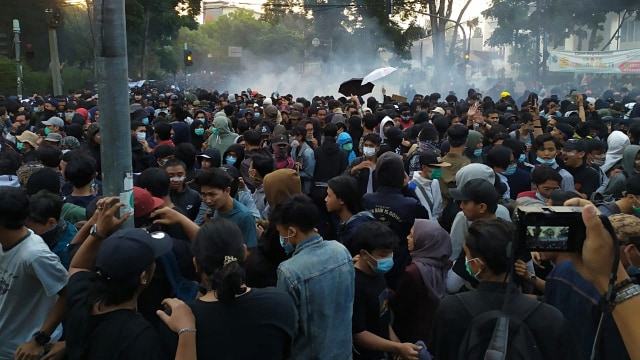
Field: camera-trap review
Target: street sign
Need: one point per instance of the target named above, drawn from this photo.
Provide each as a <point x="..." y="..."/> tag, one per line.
<point x="235" y="51"/>
<point x="630" y="67"/>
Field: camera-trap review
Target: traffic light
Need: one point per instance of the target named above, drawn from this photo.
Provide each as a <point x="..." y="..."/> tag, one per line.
<point x="188" y="58"/>
<point x="466" y="57"/>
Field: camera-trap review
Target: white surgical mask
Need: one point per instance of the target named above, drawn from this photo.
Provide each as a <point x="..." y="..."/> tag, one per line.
<point x="368" y="151"/>
<point x="141" y="135"/>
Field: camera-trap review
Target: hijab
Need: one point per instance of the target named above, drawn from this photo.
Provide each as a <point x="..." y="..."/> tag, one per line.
<point x="431" y="252"/>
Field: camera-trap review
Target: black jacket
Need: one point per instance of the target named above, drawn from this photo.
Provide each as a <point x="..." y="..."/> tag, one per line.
<point x="330" y="161"/>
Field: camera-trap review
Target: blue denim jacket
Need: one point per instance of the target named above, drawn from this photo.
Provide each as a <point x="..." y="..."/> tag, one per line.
<point x="320" y="279"/>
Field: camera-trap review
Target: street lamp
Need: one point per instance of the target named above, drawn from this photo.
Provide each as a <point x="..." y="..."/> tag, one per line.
<point x="54" y="21"/>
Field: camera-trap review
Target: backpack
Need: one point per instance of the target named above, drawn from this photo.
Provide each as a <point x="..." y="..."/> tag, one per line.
<point x="184" y="289"/>
<point x="520" y="342"/>
<point x="449" y="214"/>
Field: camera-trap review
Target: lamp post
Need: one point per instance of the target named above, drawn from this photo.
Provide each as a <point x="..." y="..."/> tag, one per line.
<point x="16" y="40"/>
<point x="53" y="20"/>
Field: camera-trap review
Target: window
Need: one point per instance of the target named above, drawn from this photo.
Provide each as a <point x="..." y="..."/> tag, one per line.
<point x="630" y="31"/>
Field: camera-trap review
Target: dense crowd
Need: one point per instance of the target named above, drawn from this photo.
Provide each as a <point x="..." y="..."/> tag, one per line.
<point x="330" y="228"/>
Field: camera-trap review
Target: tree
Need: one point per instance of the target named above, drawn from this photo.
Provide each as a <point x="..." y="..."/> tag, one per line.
<point x="154" y="23"/>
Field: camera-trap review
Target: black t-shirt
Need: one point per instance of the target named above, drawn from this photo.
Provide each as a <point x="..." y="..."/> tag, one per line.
<point x="119" y="334"/>
<point x="257" y="325"/>
<point x="370" y="311"/>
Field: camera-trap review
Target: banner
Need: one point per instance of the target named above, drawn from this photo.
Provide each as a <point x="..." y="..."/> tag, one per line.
<point x="595" y="62"/>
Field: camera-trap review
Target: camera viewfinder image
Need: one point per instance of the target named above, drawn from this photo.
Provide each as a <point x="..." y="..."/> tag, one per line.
<point x="547" y="237"/>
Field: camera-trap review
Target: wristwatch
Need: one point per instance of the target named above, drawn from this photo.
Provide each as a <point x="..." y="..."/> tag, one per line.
<point x="41" y="338"/>
<point x="94" y="232"/>
<point x="532" y="278"/>
<point x="626" y="294"/>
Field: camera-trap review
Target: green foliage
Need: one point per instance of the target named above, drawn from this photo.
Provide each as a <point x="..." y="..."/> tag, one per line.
<point x="559" y="19"/>
<point x="361" y="26"/>
<point x="73" y="77"/>
<point x="167" y="59"/>
<point x="210" y="42"/>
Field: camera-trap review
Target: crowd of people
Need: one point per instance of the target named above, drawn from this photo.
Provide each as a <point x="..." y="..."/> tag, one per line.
<point x="277" y="227"/>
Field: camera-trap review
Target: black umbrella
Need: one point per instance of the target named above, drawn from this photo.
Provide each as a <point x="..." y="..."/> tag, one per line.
<point x="355" y="87"/>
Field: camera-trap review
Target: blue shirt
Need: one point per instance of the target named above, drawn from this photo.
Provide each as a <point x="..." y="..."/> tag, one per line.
<point x="578" y="299"/>
<point x="320" y="278"/>
<point x="240" y="215"/>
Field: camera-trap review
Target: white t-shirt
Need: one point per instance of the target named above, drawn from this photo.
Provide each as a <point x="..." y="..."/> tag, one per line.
<point x="31" y="276"/>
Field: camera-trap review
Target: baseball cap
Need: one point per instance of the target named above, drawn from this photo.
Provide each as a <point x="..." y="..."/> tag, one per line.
<point x="144" y="203"/>
<point x="430" y="158"/>
<point x="504" y="94"/>
<point x="438" y="110"/>
<point x="53" y="137"/>
<point x="128" y="252"/>
<point x="476" y="190"/>
<point x="210" y="153"/>
<point x="54" y="121"/>
<point x="28" y="137"/>
<point x="576" y="144"/>
<point x="265" y="130"/>
<point x="52" y="101"/>
<point x="279" y="140"/>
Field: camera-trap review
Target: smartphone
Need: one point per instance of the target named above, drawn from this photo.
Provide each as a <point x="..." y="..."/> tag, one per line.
<point x="550" y="228"/>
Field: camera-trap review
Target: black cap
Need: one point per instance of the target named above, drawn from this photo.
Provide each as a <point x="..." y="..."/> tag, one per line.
<point x="127" y="253"/>
<point x="265" y="130"/>
<point x="430" y="158"/>
<point x="566" y="130"/>
<point x="479" y="191"/>
<point x="576" y="144"/>
<point x="279" y="140"/>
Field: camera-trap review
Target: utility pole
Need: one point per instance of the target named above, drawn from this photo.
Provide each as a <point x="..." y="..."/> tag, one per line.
<point x="53" y="20"/>
<point x="186" y="66"/>
<point x="16" y="41"/>
<point x="115" y="149"/>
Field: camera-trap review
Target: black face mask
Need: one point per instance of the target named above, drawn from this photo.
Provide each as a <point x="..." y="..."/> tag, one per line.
<point x="50" y="236"/>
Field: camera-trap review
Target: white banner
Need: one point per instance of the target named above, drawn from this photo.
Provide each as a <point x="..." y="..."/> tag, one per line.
<point x="595" y="62"/>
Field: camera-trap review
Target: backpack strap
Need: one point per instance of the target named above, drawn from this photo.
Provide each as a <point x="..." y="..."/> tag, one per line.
<point x="426" y="197"/>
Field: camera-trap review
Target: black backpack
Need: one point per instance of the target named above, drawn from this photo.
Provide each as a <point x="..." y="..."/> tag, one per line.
<point x="520" y="342"/>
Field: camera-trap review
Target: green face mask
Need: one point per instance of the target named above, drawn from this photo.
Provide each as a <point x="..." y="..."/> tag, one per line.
<point x="47" y="131"/>
<point x="436" y="174"/>
<point x="199" y="131"/>
<point x="466" y="265"/>
<point x="347" y="147"/>
<point x="636" y="211"/>
<point x="19" y="146"/>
